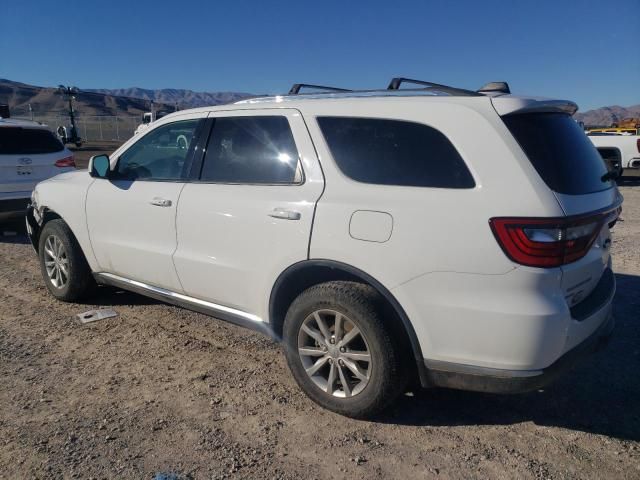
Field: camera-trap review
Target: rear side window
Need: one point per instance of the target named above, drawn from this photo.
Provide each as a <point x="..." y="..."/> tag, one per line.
<point x="393" y="152"/>
<point x="28" y="141"/>
<point x="559" y="150"/>
<point x="251" y="150"/>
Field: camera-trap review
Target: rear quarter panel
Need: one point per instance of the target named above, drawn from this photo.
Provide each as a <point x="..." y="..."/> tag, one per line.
<point x="442" y="262"/>
<point x="434" y="229"/>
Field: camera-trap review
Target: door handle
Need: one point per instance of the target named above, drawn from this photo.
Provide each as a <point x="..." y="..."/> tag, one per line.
<point x="285" y="214"/>
<point x="160" y="202"/>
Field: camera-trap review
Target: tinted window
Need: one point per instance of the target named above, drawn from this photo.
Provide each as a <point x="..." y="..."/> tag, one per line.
<point x="19" y="141"/>
<point x="392" y="152"/>
<point x="251" y="150"/>
<point x="161" y="154"/>
<point x="560" y="152"/>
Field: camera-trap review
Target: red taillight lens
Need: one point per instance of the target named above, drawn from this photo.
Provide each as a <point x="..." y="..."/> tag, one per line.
<point x="549" y="242"/>
<point x="65" y="162"/>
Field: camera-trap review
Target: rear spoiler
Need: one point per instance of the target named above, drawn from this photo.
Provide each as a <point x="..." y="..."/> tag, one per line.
<point x="509" y="105"/>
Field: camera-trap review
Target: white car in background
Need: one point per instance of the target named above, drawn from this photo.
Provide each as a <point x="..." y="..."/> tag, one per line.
<point x="29" y="153"/>
<point x="619" y="151"/>
<point x="434" y="235"/>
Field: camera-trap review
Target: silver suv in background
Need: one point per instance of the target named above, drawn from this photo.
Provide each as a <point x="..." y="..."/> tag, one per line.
<point x="29" y="153"/>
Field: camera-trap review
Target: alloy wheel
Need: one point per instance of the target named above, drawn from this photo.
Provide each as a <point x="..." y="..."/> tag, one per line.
<point x="334" y="353"/>
<point x="56" y="261"/>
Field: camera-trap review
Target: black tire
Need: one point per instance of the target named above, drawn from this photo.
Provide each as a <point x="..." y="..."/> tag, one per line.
<point x="79" y="282"/>
<point x="363" y="307"/>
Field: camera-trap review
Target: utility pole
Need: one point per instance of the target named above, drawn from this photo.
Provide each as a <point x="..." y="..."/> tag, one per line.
<point x="70" y="94"/>
<point x="31" y="112"/>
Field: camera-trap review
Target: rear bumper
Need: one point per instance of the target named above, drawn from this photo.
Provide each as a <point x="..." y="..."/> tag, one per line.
<point x="491" y="380"/>
<point x="13" y="208"/>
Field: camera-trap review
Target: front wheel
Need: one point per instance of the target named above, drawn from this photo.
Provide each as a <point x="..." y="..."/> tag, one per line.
<point x="341" y="352"/>
<point x="64" y="269"/>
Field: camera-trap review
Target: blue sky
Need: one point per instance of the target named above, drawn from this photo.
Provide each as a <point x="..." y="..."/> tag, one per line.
<point x="587" y="51"/>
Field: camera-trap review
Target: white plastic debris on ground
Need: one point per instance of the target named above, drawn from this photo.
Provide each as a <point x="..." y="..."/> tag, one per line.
<point x="95" y="315"/>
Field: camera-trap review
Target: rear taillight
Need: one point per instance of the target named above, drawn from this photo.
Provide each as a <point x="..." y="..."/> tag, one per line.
<point x="638" y="145"/>
<point x="65" y="162"/>
<point x="549" y="242"/>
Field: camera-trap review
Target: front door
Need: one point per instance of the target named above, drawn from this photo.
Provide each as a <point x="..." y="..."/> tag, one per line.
<point x="132" y="215"/>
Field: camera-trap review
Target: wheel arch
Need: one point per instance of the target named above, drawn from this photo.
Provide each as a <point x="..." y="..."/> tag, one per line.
<point x="45" y="215"/>
<point x="307" y="273"/>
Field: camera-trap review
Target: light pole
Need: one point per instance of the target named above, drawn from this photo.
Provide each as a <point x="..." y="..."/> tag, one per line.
<point x="70" y="94"/>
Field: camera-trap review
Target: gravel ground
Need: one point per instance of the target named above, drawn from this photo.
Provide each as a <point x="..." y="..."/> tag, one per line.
<point x="161" y="390"/>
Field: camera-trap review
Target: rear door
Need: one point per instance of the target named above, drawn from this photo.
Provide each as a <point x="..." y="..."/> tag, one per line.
<point x="572" y="168"/>
<point x="27" y="156"/>
<point x="249" y="213"/>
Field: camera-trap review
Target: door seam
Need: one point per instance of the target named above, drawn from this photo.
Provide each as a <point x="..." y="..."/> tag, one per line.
<point x="175" y="223"/>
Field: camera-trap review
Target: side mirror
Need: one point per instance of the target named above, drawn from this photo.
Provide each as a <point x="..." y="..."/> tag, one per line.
<point x="99" y="166"/>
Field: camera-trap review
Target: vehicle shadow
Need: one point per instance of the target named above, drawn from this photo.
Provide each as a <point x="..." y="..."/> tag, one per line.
<point x="112" y="297"/>
<point x="600" y="395"/>
<point x="628" y="181"/>
<point x="13" y="232"/>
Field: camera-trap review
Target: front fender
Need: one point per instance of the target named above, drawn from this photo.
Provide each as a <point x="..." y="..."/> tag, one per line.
<point x="63" y="196"/>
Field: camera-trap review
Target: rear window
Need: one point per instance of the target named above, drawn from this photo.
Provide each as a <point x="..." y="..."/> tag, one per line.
<point x="394" y="152"/>
<point x="559" y="150"/>
<point x="23" y="141"/>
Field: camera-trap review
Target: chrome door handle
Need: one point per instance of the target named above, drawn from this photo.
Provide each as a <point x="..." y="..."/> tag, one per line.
<point x="160" y="202"/>
<point x="285" y="214"/>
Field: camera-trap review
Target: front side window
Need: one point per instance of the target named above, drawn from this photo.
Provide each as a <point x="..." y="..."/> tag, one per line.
<point x="160" y="155"/>
<point x="394" y="152"/>
<point x="251" y="150"/>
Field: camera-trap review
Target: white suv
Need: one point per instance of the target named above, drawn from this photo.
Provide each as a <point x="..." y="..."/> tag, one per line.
<point x="29" y="153"/>
<point x="456" y="238"/>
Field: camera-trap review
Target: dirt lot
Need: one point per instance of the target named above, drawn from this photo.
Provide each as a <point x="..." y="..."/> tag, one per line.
<point x="161" y="390"/>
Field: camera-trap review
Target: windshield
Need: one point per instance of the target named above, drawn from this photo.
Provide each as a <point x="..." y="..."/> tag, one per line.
<point x="559" y="150"/>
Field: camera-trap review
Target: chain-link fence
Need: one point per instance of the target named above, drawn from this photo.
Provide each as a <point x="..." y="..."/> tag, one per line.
<point x="91" y="128"/>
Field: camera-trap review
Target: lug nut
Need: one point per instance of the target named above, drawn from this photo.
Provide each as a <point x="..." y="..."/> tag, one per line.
<point x="342" y="349"/>
<point x="341" y="363"/>
<point x="331" y="361"/>
<point x="332" y="340"/>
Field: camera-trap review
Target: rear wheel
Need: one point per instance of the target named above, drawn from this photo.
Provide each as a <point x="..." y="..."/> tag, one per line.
<point x="64" y="269"/>
<point x="340" y="351"/>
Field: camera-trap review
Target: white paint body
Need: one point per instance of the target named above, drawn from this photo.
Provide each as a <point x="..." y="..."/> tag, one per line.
<point x="627" y="145"/>
<point x="431" y="248"/>
<point x="19" y="173"/>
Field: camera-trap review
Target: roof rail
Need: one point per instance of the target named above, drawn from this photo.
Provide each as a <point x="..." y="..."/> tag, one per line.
<point x="295" y="90"/>
<point x="495" y="87"/>
<point x="397" y="81"/>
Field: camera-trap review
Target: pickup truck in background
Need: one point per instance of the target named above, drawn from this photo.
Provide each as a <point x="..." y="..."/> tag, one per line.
<point x="619" y="151"/>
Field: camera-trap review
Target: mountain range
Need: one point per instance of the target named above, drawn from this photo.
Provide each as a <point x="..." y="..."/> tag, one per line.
<point x="47" y="101"/>
<point x="605" y="116"/>
<point x="172" y="96"/>
<point x="134" y="101"/>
